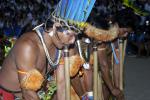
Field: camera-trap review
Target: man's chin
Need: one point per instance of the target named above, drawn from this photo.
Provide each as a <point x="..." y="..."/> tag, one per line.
<point x="59" y="46"/>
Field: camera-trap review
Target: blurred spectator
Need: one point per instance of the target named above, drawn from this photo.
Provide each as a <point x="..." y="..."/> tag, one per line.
<point x="147" y="6"/>
<point x="20" y="16"/>
<point x="16" y="14"/>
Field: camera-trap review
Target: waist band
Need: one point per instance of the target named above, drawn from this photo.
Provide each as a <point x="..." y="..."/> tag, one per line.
<point x="10" y="91"/>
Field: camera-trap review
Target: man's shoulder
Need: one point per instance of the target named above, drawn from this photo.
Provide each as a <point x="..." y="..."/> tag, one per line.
<point x="26" y="42"/>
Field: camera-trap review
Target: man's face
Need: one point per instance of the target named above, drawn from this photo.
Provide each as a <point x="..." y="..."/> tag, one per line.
<point x="65" y="37"/>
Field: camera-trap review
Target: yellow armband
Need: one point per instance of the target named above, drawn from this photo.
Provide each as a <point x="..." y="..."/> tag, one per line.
<point x="32" y="80"/>
<point x="75" y="63"/>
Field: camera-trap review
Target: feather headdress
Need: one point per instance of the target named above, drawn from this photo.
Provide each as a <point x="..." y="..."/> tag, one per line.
<point x="73" y="13"/>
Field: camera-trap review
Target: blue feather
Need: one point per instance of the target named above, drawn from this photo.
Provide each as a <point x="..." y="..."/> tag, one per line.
<point x="63" y="8"/>
<point x="69" y="7"/>
<point x="58" y="9"/>
<point x="81" y="17"/>
<point x="114" y="53"/>
<point x="79" y="11"/>
<point x="73" y="11"/>
<point x="91" y="4"/>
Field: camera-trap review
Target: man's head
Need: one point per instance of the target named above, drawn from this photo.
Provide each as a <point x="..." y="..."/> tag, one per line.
<point x="62" y="36"/>
<point x="69" y="12"/>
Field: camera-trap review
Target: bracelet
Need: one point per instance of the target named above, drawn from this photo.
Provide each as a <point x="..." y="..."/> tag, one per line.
<point x="87" y="95"/>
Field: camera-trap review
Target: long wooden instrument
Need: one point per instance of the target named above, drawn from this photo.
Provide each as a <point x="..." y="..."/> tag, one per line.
<point x="67" y="74"/>
<point x="95" y="87"/>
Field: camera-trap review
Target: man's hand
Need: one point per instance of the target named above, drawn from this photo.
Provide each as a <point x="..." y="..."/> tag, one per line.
<point x="123" y="32"/>
<point x="118" y="93"/>
<point x="29" y="95"/>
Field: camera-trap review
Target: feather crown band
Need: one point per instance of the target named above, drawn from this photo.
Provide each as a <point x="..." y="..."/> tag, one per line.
<point x="73" y="13"/>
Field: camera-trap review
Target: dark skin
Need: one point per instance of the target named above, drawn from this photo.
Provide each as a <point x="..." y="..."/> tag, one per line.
<point x="123" y="32"/>
<point x="27" y="54"/>
<point x="105" y="70"/>
<point x="109" y="87"/>
<point x="75" y="81"/>
<point x="82" y="82"/>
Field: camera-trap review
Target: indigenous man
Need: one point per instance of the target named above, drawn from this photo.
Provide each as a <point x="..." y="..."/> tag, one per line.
<point x="26" y="64"/>
<point x="111" y="81"/>
<point x="105" y="66"/>
<point x="82" y="82"/>
<point x="76" y="12"/>
<point x="25" y="67"/>
<point x="103" y="60"/>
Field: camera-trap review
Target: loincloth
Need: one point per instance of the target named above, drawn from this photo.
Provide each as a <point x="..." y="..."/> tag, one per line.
<point x="6" y="95"/>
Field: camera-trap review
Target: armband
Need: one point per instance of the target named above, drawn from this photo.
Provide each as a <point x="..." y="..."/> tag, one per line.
<point x="32" y="80"/>
<point x="75" y="63"/>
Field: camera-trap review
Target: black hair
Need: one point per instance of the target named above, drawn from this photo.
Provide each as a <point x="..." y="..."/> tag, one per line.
<point x="126" y="18"/>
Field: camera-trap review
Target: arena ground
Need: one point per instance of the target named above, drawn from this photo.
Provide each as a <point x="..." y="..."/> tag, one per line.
<point x="137" y="78"/>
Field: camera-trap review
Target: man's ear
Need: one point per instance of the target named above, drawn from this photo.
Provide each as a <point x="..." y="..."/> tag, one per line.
<point x="55" y="26"/>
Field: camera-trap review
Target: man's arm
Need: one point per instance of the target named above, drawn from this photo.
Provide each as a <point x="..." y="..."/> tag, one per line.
<point x="27" y="73"/>
<point x="106" y="71"/>
<point x="29" y="95"/>
<point x="103" y="61"/>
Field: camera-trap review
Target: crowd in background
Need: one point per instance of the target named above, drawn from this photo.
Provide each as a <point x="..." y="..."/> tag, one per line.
<point x="19" y="16"/>
<point x="22" y="15"/>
